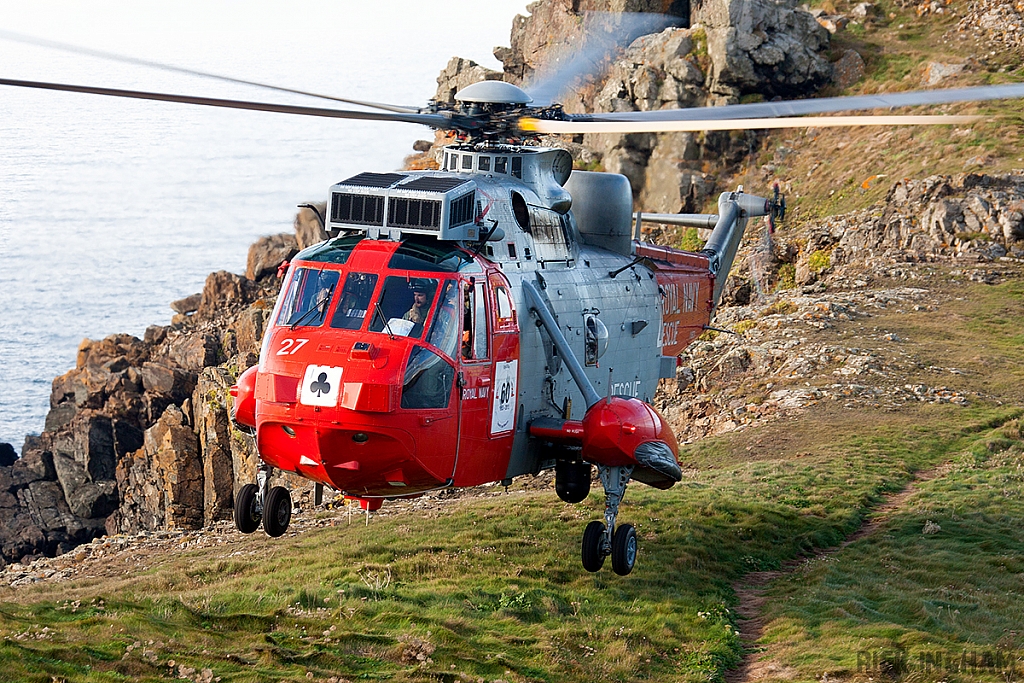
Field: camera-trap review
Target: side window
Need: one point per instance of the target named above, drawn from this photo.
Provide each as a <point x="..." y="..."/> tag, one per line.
<point x="505" y="312"/>
<point x="428" y="380"/>
<point x="474" y="328"/>
<point x="480" y="321"/>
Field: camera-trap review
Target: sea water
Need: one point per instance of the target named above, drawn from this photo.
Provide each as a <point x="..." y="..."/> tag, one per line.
<point x="112" y="208"/>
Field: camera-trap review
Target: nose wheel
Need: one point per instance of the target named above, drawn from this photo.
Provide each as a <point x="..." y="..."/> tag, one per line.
<point x="256" y="503"/>
<point x="601" y="539"/>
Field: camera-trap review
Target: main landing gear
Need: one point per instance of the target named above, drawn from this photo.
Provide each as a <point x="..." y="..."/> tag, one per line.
<point x="258" y="502"/>
<point x="601" y="539"/>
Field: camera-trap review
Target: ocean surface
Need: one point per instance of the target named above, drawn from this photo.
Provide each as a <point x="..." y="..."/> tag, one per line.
<point x="110" y="208"/>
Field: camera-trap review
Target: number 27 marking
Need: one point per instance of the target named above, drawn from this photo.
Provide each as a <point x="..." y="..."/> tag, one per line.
<point x="290" y="346"/>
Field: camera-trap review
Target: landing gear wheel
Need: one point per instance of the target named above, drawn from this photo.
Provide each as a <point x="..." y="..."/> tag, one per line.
<point x="624" y="549"/>
<point x="247" y="516"/>
<point x="593" y="553"/>
<point x="277" y="511"/>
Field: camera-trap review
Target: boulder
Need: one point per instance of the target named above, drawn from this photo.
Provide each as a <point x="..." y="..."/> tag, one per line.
<point x="308" y="229"/>
<point x="936" y="72"/>
<point x="224" y="290"/>
<point x="8" y="456"/>
<point x="85" y="498"/>
<point x="863" y="10"/>
<point x="89" y="441"/>
<point x="189" y="304"/>
<point x="155" y="334"/>
<point x="848" y="69"/>
<point x="249" y="328"/>
<point x="193" y="351"/>
<point x="171" y="382"/>
<point x="772" y="48"/>
<point x="267" y="253"/>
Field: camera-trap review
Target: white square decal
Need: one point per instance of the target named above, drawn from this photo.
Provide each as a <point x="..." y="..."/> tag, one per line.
<point x="503" y="410"/>
<point x="321" y="386"/>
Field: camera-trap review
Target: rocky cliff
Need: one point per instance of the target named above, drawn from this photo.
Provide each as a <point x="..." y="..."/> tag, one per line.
<point x="138" y="437"/>
<point x="731" y="51"/>
<point x="794" y="296"/>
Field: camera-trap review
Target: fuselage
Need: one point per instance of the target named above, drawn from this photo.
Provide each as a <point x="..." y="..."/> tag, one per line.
<point x="396" y="362"/>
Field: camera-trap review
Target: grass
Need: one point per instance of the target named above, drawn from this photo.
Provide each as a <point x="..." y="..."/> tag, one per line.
<point x="978" y="331"/>
<point x="491" y="587"/>
<point x="934" y="595"/>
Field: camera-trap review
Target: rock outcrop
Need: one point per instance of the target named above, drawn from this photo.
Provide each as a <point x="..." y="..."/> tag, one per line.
<point x="845" y="268"/>
<point x="37" y="519"/>
<point x="457" y="75"/>
<point x="968" y="216"/>
<point x="734" y="49"/>
<point x="774" y="49"/>
<point x="138" y="436"/>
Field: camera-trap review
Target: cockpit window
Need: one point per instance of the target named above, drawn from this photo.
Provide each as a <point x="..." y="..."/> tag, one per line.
<point x="336" y="250"/>
<point x="355" y="301"/>
<point x="430" y="256"/>
<point x="404" y="306"/>
<point x="308" y="297"/>
<point x="444" y="331"/>
<point x="428" y="380"/>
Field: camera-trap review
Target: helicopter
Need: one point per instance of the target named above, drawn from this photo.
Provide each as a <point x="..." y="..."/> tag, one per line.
<point x="443" y="333"/>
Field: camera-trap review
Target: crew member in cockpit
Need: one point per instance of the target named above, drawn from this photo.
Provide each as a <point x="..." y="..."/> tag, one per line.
<point x="421" y="300"/>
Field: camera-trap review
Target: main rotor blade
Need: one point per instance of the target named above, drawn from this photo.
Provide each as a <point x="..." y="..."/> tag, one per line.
<point x="604" y="34"/>
<point x="822" y="105"/>
<point x="531" y="125"/>
<point x="433" y="120"/>
<point x="77" y="49"/>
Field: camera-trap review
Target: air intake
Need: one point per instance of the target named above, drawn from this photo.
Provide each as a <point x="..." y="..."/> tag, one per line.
<point x="392" y="204"/>
<point x="358" y="209"/>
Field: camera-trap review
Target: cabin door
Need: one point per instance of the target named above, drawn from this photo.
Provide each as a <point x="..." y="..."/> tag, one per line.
<point x="489" y="371"/>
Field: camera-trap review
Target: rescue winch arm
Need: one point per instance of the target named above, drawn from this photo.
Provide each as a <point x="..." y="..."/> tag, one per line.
<point x="537" y="304"/>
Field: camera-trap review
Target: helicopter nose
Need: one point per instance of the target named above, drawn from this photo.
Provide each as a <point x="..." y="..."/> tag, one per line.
<point x="357" y="457"/>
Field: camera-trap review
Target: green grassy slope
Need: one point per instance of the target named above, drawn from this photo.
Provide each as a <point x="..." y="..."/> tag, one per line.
<point x="491" y="588"/>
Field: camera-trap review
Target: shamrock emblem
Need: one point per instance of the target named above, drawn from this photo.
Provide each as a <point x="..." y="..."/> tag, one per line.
<point x="320" y="386"/>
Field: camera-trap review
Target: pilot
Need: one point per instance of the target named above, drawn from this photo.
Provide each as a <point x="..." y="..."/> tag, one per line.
<point x="421" y="300"/>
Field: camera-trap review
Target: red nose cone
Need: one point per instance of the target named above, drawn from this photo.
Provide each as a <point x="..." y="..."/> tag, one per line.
<point x="244" y="392"/>
<point x="612" y="430"/>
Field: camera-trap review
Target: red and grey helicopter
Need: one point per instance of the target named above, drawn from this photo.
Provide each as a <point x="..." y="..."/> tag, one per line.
<point x="498" y="316"/>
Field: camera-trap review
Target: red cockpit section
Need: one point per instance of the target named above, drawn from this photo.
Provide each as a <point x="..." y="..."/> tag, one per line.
<point x="379" y="371"/>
